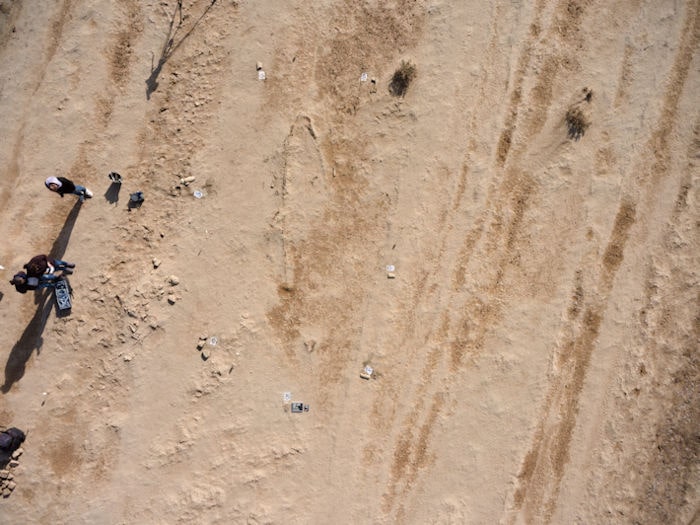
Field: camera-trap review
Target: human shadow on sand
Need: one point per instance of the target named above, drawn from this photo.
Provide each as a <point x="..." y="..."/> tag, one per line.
<point x="170" y="46"/>
<point x="60" y="245"/>
<point x="32" y="337"/>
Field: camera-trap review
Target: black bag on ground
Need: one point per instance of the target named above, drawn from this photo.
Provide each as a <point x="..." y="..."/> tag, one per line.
<point x="10" y="440"/>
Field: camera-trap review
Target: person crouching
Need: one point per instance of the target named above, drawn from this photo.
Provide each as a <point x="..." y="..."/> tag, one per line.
<point x="40" y="273"/>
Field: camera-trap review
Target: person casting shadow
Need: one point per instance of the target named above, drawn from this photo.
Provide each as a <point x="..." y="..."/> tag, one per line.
<point x="32" y="339"/>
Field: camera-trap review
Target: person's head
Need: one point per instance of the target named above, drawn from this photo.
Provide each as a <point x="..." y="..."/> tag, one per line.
<point x="18" y="280"/>
<point x="53" y="183"/>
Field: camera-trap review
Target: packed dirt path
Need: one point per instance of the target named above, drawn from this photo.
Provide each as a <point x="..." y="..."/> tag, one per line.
<point x="534" y="349"/>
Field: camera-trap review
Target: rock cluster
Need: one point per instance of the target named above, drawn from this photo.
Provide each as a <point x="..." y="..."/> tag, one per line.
<point x="7" y="478"/>
<point x="205" y="352"/>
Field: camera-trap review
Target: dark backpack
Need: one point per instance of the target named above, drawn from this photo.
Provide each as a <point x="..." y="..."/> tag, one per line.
<point x="11" y="439"/>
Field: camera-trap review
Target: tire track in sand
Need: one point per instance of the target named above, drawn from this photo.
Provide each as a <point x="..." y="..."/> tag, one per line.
<point x="455" y="341"/>
<point x="543" y="467"/>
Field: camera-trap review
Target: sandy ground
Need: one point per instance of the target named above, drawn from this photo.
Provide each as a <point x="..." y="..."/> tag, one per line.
<point x="536" y="354"/>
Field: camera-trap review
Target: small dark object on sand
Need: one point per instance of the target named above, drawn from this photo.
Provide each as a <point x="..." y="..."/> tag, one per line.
<point x="136" y="199"/>
<point x="402" y="78"/>
<point x="576" y="123"/>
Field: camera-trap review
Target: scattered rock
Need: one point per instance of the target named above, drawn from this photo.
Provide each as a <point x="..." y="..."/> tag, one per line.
<point x="11" y="485"/>
<point x="4" y="473"/>
<point x="188" y="180"/>
<point x="128" y="357"/>
<point x="6" y="493"/>
<point x="17" y="453"/>
<point x="172" y="299"/>
<point x="258" y="66"/>
<point x="200" y="345"/>
<point x="156" y="262"/>
<point x="173" y="280"/>
<point x="206" y="354"/>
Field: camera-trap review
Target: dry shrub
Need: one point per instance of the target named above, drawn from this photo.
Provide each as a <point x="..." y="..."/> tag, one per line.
<point x="402" y="78"/>
<point x="576" y="123"/>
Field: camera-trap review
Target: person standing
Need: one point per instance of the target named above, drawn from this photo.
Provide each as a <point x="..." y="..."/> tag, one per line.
<point x="62" y="185"/>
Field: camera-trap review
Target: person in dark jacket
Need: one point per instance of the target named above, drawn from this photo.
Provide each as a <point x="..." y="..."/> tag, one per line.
<point x="40" y="273"/>
<point x="23" y="283"/>
<point x="10" y="440"/>
<point x="43" y="267"/>
<point x="62" y="185"/>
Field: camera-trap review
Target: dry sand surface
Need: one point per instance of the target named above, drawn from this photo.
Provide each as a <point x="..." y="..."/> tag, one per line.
<point x="535" y="354"/>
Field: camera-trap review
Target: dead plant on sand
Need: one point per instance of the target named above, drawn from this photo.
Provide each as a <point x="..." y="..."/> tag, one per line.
<point x="402" y="78"/>
<point x="576" y="123"/>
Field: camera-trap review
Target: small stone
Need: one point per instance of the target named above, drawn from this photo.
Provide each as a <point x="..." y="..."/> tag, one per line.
<point x="364" y="375"/>
<point x="11" y="485"/>
<point x="200" y="345"/>
<point x="17" y="453"/>
<point x="203" y="337"/>
<point x="173" y="280"/>
<point x="187" y="180"/>
<point x="6" y="493"/>
<point x="4" y="473"/>
<point x="172" y="299"/>
<point x="206" y="354"/>
<point x="258" y="66"/>
<point x="391" y="275"/>
<point x="156" y="262"/>
<point x="128" y="357"/>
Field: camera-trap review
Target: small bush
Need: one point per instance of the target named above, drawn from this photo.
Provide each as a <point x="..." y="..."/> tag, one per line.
<point x="402" y="78"/>
<point x="576" y="123"/>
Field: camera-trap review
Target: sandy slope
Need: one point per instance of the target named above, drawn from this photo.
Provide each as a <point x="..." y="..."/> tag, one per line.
<point x="536" y="355"/>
